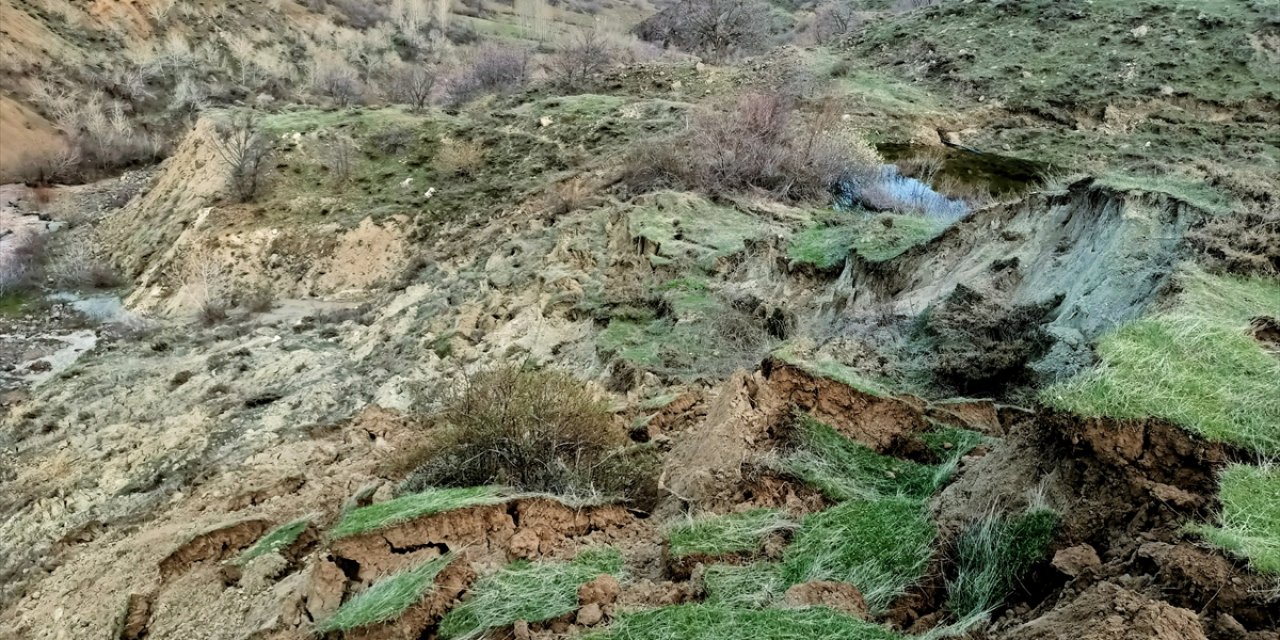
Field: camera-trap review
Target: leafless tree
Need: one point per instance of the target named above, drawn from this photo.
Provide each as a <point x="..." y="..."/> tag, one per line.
<point x="833" y="20"/>
<point x="413" y="85"/>
<point x="717" y="29"/>
<point x="246" y="150"/>
<point x="583" y="56"/>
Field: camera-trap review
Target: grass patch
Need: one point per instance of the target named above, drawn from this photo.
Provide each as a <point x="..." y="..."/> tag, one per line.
<point x="712" y="622"/>
<point x="13" y="304"/>
<point x="726" y="534"/>
<point x="532" y="592"/>
<point x="1197" y="194"/>
<point x="1214" y="379"/>
<point x="1249" y="525"/>
<point x="832" y="370"/>
<point x="880" y="546"/>
<point x="415" y="505"/>
<point x="845" y="470"/>
<point x="952" y="443"/>
<point x="990" y="557"/>
<point x="876" y="238"/>
<point x="277" y="539"/>
<point x="691" y="230"/>
<point x="388" y="599"/>
<point x="753" y="585"/>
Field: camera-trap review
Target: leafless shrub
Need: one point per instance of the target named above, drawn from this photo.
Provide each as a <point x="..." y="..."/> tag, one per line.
<point x="584" y="56"/>
<point x="392" y="139"/>
<point x="758" y="145"/>
<point x="412" y="85"/>
<point x="22" y="260"/>
<point x="494" y="69"/>
<point x="459" y="158"/>
<point x="341" y="154"/>
<point x="75" y="265"/>
<point x="834" y="20"/>
<point x="246" y="150"/>
<point x="337" y="81"/>
<point x="903" y="6"/>
<point x="570" y="195"/>
<point x="716" y="29"/>
<point x="259" y="299"/>
<point x="208" y="287"/>
<point x="361" y="14"/>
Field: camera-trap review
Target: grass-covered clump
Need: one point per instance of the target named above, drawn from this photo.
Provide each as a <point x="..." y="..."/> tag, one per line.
<point x="712" y="622"/>
<point x="733" y="533"/>
<point x="415" y="505"/>
<point x="879" y="546"/>
<point x="532" y="592"/>
<point x="990" y="557"/>
<point x="275" y="540"/>
<point x="1194" y="364"/>
<point x="1249" y="525"/>
<point x="877" y="238"/>
<point x="387" y="599"/>
<point x="831" y="370"/>
<point x="845" y="470"/>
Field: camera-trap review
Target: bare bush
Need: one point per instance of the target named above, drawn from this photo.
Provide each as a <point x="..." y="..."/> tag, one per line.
<point x="494" y="69"/>
<point x="413" y="85"/>
<point x="258" y="299"/>
<point x="208" y="287"/>
<point x="583" y="57"/>
<point x="716" y="29"/>
<point x="570" y="195"/>
<point x="337" y="81"/>
<point x="246" y="150"/>
<point x="532" y="430"/>
<point x="75" y="265"/>
<point x="834" y="20"/>
<point x="22" y="259"/>
<point x="341" y="154"/>
<point x="903" y="6"/>
<point x="458" y="158"/>
<point x="760" y="144"/>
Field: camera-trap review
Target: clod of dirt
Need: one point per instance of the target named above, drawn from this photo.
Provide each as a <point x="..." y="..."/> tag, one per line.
<point x="590" y="615"/>
<point x="214" y="545"/>
<point x="1075" y="561"/>
<point x="136" y="618"/>
<point x="1198" y="579"/>
<point x="604" y="590"/>
<point x="1110" y="612"/>
<point x="840" y="596"/>
<point x="882" y="423"/>
<point x="417" y="622"/>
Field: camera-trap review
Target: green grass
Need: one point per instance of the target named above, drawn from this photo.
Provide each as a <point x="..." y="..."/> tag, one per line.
<point x="845" y="470"/>
<point x="691" y="230"/>
<point x="277" y="539"/>
<point x="415" y="505"/>
<point x="1249" y="525"/>
<point x="387" y="599"/>
<point x="880" y="546"/>
<point x="532" y="592"/>
<point x="1197" y="194"/>
<point x="13" y="304"/>
<point x="718" y="535"/>
<point x="831" y="370"/>
<point x="992" y="555"/>
<point x="752" y="585"/>
<point x="1193" y="364"/>
<point x="711" y="622"/>
<point x="952" y="443"/>
<point x="874" y="239"/>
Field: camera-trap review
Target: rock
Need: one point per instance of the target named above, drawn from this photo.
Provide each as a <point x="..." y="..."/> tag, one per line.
<point x="840" y="596"/>
<point x="603" y="590"/>
<point x="1074" y="561"/>
<point x="545" y="121"/>
<point x="520" y="630"/>
<point x="590" y="615"/>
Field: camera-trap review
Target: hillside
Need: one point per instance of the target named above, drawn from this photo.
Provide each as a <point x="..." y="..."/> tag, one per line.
<point x="855" y="320"/>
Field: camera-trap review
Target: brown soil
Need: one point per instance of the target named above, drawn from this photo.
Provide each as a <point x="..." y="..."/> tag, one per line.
<point x="1111" y="612"/>
<point x="840" y="596"/>
<point x="215" y="545"/>
<point x="882" y="423"/>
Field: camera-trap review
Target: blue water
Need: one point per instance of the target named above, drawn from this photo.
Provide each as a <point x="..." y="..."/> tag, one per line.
<point x="893" y="192"/>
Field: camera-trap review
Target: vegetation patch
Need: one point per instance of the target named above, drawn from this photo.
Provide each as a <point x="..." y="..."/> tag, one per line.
<point x="832" y="370"/>
<point x="388" y="599"/>
<point x="992" y="555"/>
<point x="873" y="237"/>
<point x="1249" y="525"/>
<point x="715" y="622"/>
<point x="415" y="505"/>
<point x="731" y="533"/>
<point x="845" y="470"/>
<point x="880" y="546"/>
<point x="1197" y="194"/>
<point x="275" y="540"/>
<point x="691" y="230"/>
<point x="752" y="585"/>
<point x="533" y="592"/>
<point x="1215" y="379"/>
